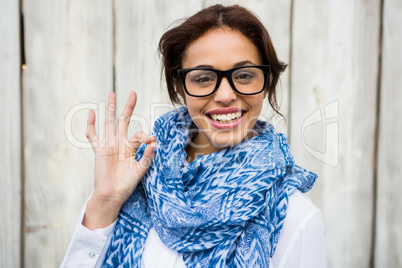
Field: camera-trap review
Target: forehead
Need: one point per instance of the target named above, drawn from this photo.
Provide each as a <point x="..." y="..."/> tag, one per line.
<point x="221" y="48"/>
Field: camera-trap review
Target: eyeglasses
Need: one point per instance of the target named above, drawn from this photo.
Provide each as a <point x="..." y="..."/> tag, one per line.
<point x="204" y="81"/>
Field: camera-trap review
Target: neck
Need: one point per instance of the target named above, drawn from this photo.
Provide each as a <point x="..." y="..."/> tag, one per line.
<point x="202" y="145"/>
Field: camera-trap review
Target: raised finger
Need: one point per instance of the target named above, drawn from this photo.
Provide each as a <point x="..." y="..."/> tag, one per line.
<point x="125" y="116"/>
<point x="91" y="131"/>
<point x="110" y="112"/>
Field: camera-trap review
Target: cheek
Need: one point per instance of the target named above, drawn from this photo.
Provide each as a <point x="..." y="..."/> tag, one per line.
<point x="255" y="102"/>
<point x="195" y="107"/>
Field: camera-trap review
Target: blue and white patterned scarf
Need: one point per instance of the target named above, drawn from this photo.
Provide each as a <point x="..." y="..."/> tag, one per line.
<point x="225" y="209"/>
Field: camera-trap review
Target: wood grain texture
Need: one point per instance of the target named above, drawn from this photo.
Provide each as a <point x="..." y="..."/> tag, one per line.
<point x="10" y="136"/>
<point x="139" y="26"/>
<point x="388" y="246"/>
<point x="276" y="17"/>
<point x="73" y="48"/>
<point x="69" y="61"/>
<point x="333" y="98"/>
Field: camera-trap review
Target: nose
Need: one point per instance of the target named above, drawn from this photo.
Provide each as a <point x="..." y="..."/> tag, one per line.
<point x="225" y="93"/>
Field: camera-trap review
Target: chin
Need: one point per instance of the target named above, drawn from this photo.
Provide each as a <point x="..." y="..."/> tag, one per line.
<point x="224" y="139"/>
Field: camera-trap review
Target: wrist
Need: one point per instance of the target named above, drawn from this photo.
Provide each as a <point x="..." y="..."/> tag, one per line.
<point x="100" y="213"/>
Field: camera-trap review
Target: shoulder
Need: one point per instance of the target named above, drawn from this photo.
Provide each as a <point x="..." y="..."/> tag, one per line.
<point x="301" y="210"/>
<point x="302" y="234"/>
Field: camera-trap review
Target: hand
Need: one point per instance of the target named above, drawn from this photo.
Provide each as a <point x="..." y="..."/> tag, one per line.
<point x="117" y="174"/>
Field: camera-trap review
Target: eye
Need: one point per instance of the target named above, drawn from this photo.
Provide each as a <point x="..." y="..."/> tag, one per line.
<point x="201" y="77"/>
<point x="243" y="76"/>
<point x="247" y="75"/>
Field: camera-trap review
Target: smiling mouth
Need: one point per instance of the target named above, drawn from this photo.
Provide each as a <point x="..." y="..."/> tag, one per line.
<point x="226" y="118"/>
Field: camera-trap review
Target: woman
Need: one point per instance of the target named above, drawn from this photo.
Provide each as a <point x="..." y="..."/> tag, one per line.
<point x="213" y="187"/>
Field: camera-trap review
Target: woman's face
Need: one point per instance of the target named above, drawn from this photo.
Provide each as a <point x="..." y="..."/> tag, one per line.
<point x="222" y="49"/>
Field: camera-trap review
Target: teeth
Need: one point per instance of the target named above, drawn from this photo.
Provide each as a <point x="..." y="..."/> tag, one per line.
<point x="226" y="118"/>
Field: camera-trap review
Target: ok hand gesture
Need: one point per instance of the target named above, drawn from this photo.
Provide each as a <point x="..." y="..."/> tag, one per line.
<point x="117" y="174"/>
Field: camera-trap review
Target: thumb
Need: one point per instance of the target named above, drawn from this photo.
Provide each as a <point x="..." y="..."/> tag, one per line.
<point x="146" y="160"/>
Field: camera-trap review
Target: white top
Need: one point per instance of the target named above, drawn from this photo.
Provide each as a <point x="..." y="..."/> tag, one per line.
<point x="301" y="242"/>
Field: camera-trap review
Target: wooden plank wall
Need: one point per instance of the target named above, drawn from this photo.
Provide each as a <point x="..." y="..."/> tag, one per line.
<point x="140" y="71"/>
<point x="68" y="48"/>
<point x="340" y="94"/>
<point x="334" y="70"/>
<point x="10" y="135"/>
<point x="388" y="246"/>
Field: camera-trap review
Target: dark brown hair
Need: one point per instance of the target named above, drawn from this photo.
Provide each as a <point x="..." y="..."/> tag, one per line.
<point x="174" y="42"/>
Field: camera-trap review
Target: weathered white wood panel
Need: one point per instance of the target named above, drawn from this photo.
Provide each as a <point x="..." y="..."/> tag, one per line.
<point x="139" y="26"/>
<point x="69" y="61"/>
<point x="276" y="16"/>
<point x="10" y="135"/>
<point x="388" y="246"/>
<point x="69" y="52"/>
<point x="334" y="63"/>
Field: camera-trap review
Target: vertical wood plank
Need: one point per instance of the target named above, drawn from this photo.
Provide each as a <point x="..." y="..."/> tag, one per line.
<point x="333" y="98"/>
<point x="139" y="26"/>
<point x="69" y="61"/>
<point x="10" y="135"/>
<point x="388" y="246"/>
<point x="275" y="15"/>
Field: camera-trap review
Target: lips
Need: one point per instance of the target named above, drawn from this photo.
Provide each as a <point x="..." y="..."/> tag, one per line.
<point x="225" y="118"/>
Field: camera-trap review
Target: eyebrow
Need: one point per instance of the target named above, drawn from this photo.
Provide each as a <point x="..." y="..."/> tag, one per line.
<point x="238" y="64"/>
<point x="243" y="63"/>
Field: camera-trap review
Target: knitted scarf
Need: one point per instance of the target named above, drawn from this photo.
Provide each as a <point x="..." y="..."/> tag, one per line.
<point x="225" y="209"/>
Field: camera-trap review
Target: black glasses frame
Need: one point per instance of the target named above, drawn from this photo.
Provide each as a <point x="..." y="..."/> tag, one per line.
<point x="220" y="74"/>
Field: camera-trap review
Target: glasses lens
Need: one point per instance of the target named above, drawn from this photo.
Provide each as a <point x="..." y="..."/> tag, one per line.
<point x="248" y="80"/>
<point x="200" y="82"/>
